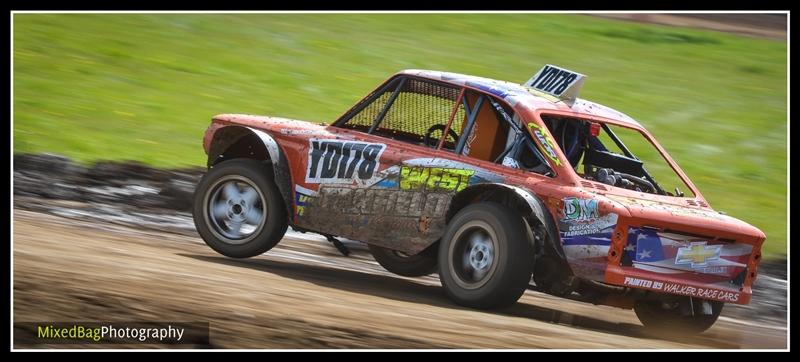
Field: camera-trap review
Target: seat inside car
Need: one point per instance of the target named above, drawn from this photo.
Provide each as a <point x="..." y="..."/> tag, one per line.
<point x="488" y="137"/>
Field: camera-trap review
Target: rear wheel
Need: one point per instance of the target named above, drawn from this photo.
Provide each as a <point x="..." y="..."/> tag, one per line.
<point x="400" y="263"/>
<point x="687" y="316"/>
<point x="485" y="256"/>
<point x="238" y="210"/>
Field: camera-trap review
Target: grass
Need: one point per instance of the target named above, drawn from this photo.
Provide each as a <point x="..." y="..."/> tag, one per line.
<point x="144" y="87"/>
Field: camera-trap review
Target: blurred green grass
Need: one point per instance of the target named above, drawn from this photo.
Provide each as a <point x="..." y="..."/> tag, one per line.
<point x="144" y="87"/>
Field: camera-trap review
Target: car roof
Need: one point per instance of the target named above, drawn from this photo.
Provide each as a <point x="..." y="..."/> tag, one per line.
<point x="515" y="93"/>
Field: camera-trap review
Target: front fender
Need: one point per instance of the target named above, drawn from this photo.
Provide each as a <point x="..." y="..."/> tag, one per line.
<point x="227" y="138"/>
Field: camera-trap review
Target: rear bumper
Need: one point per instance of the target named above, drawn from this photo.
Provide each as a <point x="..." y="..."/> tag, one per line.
<point x="640" y="279"/>
<point x="684" y="264"/>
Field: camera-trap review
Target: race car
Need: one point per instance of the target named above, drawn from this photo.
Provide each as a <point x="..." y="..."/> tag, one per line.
<point x="491" y="184"/>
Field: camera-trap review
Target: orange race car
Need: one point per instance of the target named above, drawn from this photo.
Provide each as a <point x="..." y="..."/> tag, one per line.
<point x="489" y="183"/>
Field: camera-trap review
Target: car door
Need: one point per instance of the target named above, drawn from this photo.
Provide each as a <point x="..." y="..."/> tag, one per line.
<point x="376" y="175"/>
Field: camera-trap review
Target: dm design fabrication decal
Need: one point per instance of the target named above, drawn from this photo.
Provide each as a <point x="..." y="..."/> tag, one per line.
<point x="342" y="162"/>
<point x="586" y="236"/>
<point x="582" y="217"/>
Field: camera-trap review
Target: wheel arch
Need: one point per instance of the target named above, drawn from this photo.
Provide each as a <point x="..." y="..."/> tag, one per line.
<point x="530" y="206"/>
<point x="231" y="142"/>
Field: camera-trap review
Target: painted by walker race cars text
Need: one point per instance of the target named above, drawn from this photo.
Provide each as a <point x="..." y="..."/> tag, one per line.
<point x="682" y="289"/>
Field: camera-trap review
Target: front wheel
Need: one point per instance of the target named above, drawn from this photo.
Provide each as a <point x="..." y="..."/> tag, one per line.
<point x="687" y="316"/>
<point x="238" y="210"/>
<point x="485" y="256"/>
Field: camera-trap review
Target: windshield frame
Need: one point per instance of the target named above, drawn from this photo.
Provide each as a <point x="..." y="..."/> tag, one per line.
<point x="537" y="114"/>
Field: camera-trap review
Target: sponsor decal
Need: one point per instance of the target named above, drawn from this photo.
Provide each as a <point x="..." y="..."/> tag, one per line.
<point x="376" y="201"/>
<point x="643" y="283"/>
<point x="585" y="236"/>
<point x="343" y="162"/>
<point x="302" y="196"/>
<point x="444" y="175"/>
<point x="582" y="217"/>
<point x="698" y="254"/>
<point x="471" y="138"/>
<point x="481" y="174"/>
<point x="704" y="293"/>
<point x="672" y="253"/>
<point x="434" y="178"/>
<point x="576" y="209"/>
<point x="597" y="226"/>
<point x="682" y="289"/>
<point x="300" y="203"/>
<point x="546" y="143"/>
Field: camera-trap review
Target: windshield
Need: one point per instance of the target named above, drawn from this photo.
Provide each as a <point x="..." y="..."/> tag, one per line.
<point x="614" y="155"/>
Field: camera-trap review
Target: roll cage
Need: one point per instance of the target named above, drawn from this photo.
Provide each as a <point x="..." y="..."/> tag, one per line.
<point x="464" y="104"/>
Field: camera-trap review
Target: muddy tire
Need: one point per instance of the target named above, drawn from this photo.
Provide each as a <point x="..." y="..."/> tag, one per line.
<point x="485" y="258"/>
<point x="398" y="263"/>
<point x="666" y="318"/>
<point x="238" y="210"/>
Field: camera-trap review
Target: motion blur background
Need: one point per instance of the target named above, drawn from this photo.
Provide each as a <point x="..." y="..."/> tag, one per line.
<point x="144" y="86"/>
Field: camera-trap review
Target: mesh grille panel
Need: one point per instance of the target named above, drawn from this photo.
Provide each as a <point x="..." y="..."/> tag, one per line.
<point x="419" y="105"/>
<point x="368" y="114"/>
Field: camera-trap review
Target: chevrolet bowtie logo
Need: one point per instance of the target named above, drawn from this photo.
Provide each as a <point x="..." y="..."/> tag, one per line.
<point x="698" y="254"/>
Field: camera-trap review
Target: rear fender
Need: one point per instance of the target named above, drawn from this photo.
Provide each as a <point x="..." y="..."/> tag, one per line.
<point x="546" y="237"/>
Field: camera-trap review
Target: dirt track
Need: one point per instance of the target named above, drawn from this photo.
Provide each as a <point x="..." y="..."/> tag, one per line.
<point x="771" y="26"/>
<point x="302" y="294"/>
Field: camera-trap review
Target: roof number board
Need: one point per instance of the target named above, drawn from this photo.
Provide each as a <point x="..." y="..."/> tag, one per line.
<point x="559" y="82"/>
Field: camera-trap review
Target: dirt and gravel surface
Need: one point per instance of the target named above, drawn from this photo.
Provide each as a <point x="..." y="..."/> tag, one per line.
<point x="107" y="247"/>
<point x="771" y="26"/>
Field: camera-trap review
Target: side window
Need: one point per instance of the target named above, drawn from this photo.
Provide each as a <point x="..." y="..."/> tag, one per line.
<point x="410" y="110"/>
<point x="495" y="135"/>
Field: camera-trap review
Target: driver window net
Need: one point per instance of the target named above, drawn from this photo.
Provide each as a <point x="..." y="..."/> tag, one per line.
<point x="419" y="106"/>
